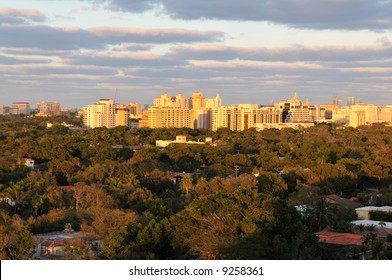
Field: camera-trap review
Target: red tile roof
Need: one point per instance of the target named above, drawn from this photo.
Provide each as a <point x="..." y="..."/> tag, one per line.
<point x="339" y="238"/>
<point x="344" y="202"/>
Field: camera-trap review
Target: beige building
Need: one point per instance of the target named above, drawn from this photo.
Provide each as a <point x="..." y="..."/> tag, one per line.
<point x="363" y="114"/>
<point x="180" y="139"/>
<point x="168" y="117"/>
<point x="166" y="101"/>
<point x="20" y="108"/>
<point x="196" y="102"/>
<point x="135" y="110"/>
<point x="121" y="115"/>
<point x="4" y="110"/>
<point x="385" y="114"/>
<point x="294" y="110"/>
<point x="105" y="113"/>
<point x="243" y="116"/>
<point x="48" y="108"/>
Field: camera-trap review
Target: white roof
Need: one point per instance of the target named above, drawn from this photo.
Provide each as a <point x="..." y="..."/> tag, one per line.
<point x="375" y="208"/>
<point x="371" y="222"/>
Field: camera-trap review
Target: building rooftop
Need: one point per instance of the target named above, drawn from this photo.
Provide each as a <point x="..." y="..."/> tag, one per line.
<point x="344" y="202"/>
<point x="372" y="222"/>
<point x="346" y="239"/>
<point x="375" y="208"/>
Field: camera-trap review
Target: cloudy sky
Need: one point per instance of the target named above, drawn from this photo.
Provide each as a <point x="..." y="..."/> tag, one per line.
<point x="250" y="51"/>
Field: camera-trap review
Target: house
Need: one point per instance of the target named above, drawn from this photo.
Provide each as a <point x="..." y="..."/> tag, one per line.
<point x="339" y="238"/>
<point x="28" y="162"/>
<point x="61" y="245"/>
<point x="343" y="202"/>
<point x="180" y="139"/>
<point x="348" y="245"/>
<point x="364" y="212"/>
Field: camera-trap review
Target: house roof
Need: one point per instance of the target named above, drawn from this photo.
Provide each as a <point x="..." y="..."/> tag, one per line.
<point x="346" y="239"/>
<point x="344" y="202"/>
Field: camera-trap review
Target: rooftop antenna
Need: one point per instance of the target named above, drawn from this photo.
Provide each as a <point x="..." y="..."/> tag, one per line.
<point x="115" y="97"/>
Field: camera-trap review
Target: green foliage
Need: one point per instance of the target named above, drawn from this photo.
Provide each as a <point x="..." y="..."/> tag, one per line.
<point x="93" y="180"/>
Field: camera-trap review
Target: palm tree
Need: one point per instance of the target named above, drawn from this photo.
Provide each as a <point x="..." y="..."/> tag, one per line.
<point x="382" y="224"/>
<point x="361" y="228"/>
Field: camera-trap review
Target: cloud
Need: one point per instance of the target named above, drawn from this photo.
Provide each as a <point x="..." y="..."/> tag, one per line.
<point x="293" y="54"/>
<point x="50" y="38"/>
<point x="122" y="60"/>
<point x="20" y="16"/>
<point x="8" y="60"/>
<point x="309" y="14"/>
<point x="384" y="41"/>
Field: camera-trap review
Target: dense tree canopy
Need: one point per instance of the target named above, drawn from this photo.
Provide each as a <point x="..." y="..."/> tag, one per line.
<point x="230" y="199"/>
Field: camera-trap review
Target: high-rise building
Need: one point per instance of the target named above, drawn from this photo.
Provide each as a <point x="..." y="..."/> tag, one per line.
<point x="135" y="109"/>
<point x="385" y="114"/>
<point x="105" y="113"/>
<point x="163" y="101"/>
<point x="294" y="110"/>
<point x="336" y="100"/>
<point x="48" y="108"/>
<point x="370" y="114"/>
<point x="168" y="117"/>
<point x="121" y="115"/>
<point x="20" y="108"/>
<point x="350" y="100"/>
<point x="213" y="102"/>
<point x="196" y="102"/>
<point x="357" y="118"/>
<point x="243" y="116"/>
<point x="4" y="110"/>
<point x="181" y="101"/>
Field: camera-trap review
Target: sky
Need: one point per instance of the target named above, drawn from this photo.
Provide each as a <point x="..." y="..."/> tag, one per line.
<point x="249" y="51"/>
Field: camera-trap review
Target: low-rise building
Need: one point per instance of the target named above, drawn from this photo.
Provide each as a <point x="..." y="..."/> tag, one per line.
<point x="364" y="212"/>
<point x="180" y="139"/>
<point x="64" y="244"/>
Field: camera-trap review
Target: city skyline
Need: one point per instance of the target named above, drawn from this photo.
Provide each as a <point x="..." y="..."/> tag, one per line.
<point x="76" y="52"/>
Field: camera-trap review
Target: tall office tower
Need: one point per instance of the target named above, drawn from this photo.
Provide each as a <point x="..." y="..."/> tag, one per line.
<point x="135" y="109"/>
<point x="49" y="108"/>
<point x="196" y="102"/>
<point x="100" y="114"/>
<point x="20" y="108"/>
<point x="168" y="117"/>
<point x="350" y="100"/>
